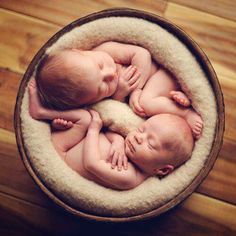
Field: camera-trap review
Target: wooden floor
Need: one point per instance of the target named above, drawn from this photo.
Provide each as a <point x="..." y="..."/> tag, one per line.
<point x="25" y="25"/>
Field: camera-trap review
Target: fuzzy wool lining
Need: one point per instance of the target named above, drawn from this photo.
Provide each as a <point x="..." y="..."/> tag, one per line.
<point x="88" y="196"/>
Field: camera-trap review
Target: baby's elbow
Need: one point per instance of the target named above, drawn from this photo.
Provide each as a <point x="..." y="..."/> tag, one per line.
<point x="85" y="118"/>
<point x="127" y="183"/>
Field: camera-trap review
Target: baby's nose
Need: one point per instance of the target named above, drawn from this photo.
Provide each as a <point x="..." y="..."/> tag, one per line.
<point x="138" y="138"/>
<point x="109" y="75"/>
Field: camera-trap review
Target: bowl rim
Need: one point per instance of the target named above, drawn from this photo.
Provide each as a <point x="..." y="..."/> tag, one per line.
<point x="206" y="66"/>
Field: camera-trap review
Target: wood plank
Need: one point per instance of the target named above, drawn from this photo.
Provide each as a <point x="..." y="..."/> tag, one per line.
<point x="68" y="11"/>
<point x="223" y="8"/>
<point x="218" y="178"/>
<point x="39" y="219"/>
<point x="9" y="83"/>
<point x="215" y="35"/>
<point x="221" y="181"/>
<point x="20" y="183"/>
<point x="21" y="37"/>
<point x="198" y="215"/>
<point x="228" y="86"/>
<point x="219" y="184"/>
<point x="213" y="186"/>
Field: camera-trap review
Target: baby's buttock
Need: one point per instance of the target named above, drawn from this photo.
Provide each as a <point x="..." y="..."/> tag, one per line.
<point x="74" y="157"/>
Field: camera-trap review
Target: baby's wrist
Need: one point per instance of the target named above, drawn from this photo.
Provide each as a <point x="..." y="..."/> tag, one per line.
<point x="93" y="129"/>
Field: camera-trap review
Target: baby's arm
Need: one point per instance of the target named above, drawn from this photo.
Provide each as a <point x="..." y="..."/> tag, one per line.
<point x="38" y="112"/>
<point x="117" y="151"/>
<point x="128" y="54"/>
<point x="124" y="179"/>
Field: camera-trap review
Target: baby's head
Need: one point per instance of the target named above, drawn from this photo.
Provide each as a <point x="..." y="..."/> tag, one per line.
<point x="72" y="78"/>
<point x="160" y="144"/>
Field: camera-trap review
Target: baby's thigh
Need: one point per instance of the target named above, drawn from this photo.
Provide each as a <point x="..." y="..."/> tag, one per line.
<point x="160" y="84"/>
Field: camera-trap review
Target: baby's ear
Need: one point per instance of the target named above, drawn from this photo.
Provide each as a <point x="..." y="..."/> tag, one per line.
<point x="161" y="172"/>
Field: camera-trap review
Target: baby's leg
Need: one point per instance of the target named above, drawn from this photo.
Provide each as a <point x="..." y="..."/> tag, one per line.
<point x="37" y="111"/>
<point x="65" y="140"/>
<point x="156" y="99"/>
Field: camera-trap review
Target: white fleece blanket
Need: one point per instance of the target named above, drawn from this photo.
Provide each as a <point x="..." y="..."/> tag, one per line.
<point x="88" y="196"/>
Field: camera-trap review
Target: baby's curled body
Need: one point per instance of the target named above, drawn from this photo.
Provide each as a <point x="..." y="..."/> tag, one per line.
<point x="74" y="158"/>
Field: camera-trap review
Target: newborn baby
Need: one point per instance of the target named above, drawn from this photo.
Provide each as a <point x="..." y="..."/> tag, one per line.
<point x="159" y="145"/>
<point x="73" y="78"/>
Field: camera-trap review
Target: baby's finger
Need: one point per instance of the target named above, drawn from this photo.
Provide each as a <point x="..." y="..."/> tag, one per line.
<point x="137" y="106"/>
<point x="129" y="72"/>
<point x="134" y="85"/>
<point x="134" y="78"/>
<point x="120" y="160"/>
<point x="111" y="153"/>
<point x="114" y="160"/>
<point x="125" y="162"/>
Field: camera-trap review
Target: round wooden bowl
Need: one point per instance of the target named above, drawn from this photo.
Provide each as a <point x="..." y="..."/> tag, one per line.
<point x="206" y="66"/>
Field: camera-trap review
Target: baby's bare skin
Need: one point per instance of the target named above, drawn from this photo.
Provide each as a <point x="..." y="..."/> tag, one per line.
<point x="73" y="142"/>
<point x="117" y="70"/>
<point x="161" y="94"/>
<point x="159" y="88"/>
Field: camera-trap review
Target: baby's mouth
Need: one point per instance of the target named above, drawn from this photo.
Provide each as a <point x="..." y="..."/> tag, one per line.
<point x="131" y="147"/>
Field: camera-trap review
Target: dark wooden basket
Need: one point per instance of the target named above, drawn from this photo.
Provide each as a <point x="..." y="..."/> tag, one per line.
<point x="204" y="62"/>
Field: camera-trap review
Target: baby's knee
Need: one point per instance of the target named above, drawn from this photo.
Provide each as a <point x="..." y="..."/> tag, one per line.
<point x="85" y="118"/>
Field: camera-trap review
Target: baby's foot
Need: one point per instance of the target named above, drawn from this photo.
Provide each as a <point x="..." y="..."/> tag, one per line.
<point x="180" y="98"/>
<point x="36" y="110"/>
<point x="61" y="124"/>
<point x="195" y="122"/>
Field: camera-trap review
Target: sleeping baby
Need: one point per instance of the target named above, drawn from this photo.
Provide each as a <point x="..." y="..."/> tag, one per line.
<point x="74" y="78"/>
<point x="160" y="144"/>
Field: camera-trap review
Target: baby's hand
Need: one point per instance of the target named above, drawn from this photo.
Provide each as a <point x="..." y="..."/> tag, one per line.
<point x="96" y="122"/>
<point x="134" y="103"/>
<point x="128" y="82"/>
<point x="117" y="156"/>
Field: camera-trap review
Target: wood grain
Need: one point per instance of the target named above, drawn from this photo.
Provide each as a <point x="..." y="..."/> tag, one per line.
<point x="215" y="35"/>
<point x="223" y="8"/>
<point x="72" y="10"/>
<point x="24" y="210"/>
<point x="9" y="83"/>
<point x="21" y="37"/>
<point x="199" y="214"/>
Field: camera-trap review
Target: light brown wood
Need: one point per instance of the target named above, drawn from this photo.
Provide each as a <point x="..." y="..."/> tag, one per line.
<point x="72" y="10"/>
<point x="39" y="20"/>
<point x="21" y="37"/>
<point x="198" y="214"/>
<point x="203" y="60"/>
<point x="215" y="35"/>
<point x="223" y="8"/>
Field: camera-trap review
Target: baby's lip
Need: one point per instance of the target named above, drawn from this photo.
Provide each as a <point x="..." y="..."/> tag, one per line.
<point x="130" y="145"/>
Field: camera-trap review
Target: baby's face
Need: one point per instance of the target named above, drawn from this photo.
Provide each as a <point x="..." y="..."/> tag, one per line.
<point x="144" y="146"/>
<point x="100" y="72"/>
